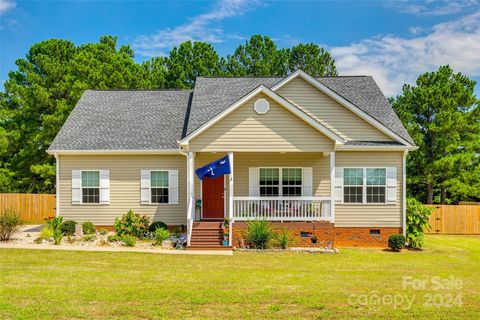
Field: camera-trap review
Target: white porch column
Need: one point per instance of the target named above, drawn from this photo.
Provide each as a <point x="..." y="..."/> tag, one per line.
<point x="57" y="185"/>
<point x="190" y="193"/>
<point x="332" y="187"/>
<point x="230" y="199"/>
<point x="404" y="193"/>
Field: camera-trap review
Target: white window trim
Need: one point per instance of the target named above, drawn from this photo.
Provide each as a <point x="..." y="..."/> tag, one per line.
<point x="364" y="188"/>
<point x="167" y="187"/>
<point x="82" y="187"/>
<point x="280" y="185"/>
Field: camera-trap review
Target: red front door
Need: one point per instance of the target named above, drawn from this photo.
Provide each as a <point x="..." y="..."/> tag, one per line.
<point x="212" y="198"/>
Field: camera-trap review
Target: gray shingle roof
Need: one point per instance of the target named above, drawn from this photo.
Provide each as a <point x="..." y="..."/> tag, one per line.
<point x="372" y="143"/>
<point x="213" y="95"/>
<point x="157" y="119"/>
<point x="125" y="120"/>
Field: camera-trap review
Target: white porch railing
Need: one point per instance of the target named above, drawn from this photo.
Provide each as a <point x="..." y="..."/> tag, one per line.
<point x="282" y="208"/>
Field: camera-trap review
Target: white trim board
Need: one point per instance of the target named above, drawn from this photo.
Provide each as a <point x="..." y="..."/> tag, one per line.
<point x="87" y="152"/>
<point x="277" y="98"/>
<point x="332" y="94"/>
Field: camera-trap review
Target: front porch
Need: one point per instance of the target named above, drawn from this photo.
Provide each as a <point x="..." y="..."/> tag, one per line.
<point x="276" y="186"/>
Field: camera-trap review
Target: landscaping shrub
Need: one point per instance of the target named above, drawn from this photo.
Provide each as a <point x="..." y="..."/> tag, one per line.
<point x="46" y="233"/>
<point x="284" y="238"/>
<point x="88" y="227"/>
<point x="130" y="241"/>
<point x="103" y="231"/>
<point x="396" y="242"/>
<point x="114" y="238"/>
<point x="160" y="235"/>
<point x="417" y="222"/>
<point x="10" y="222"/>
<point x="156" y="225"/>
<point x="68" y="227"/>
<point x="132" y="224"/>
<point x="56" y="225"/>
<point x="258" y="233"/>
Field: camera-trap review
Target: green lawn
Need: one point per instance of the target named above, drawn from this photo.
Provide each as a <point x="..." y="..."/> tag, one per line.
<point x="37" y="284"/>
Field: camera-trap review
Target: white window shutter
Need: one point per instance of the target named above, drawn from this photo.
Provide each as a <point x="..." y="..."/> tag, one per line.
<point x="391" y="184"/>
<point x="76" y="186"/>
<point x="173" y="186"/>
<point x="145" y="193"/>
<point x="105" y="186"/>
<point x="338" y="184"/>
<point x="307" y="176"/>
<point x="254" y="180"/>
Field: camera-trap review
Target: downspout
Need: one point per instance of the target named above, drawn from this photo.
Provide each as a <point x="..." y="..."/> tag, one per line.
<point x="190" y="195"/>
<point x="57" y="185"/>
<point x="404" y="192"/>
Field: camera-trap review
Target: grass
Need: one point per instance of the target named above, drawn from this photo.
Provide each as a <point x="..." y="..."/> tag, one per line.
<point x="37" y="284"/>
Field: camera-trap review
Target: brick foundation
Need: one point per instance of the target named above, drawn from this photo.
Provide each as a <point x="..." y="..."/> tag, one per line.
<point x="326" y="232"/>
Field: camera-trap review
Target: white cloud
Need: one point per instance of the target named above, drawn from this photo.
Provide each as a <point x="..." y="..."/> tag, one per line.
<point x="204" y="27"/>
<point x="6" y="5"/>
<point x="436" y="8"/>
<point x="393" y="61"/>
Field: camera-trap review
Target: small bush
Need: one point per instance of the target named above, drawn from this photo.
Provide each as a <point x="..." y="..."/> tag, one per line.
<point x="56" y="225"/>
<point x="284" y="238"/>
<point x="258" y="233"/>
<point x="396" y="242"/>
<point x="88" y="227"/>
<point x="103" y="232"/>
<point x="130" y="241"/>
<point x="70" y="239"/>
<point x="103" y="243"/>
<point x="417" y="222"/>
<point x="156" y="225"/>
<point x="160" y="235"/>
<point x="68" y="227"/>
<point x="114" y="238"/>
<point x="10" y="222"/>
<point x="132" y="224"/>
<point x="46" y="233"/>
<point x="89" y="238"/>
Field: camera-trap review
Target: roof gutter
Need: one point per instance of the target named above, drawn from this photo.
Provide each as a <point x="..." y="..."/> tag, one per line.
<point x="86" y="152"/>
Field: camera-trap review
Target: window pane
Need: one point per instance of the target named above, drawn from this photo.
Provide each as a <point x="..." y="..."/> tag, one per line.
<point x="269" y="177"/>
<point x="292" y="191"/>
<point x="352" y="194"/>
<point x="91" y="195"/>
<point x="159" y="195"/>
<point x="375" y="194"/>
<point x="159" y="179"/>
<point x="376" y="176"/>
<point x="90" y="179"/>
<point x="292" y="177"/>
<point x="353" y="177"/>
<point x="269" y="191"/>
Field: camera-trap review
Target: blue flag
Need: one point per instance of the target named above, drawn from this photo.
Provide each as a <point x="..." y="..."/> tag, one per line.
<point x="215" y="169"/>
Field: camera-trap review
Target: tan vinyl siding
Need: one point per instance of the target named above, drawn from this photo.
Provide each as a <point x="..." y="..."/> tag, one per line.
<point x="329" y="112"/>
<point x="124" y="187"/>
<point x="378" y="215"/>
<point x="277" y="130"/>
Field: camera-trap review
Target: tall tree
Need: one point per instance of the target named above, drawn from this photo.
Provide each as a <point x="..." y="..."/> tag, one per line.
<point x="39" y="97"/>
<point x="190" y="60"/>
<point x="312" y="59"/>
<point x="259" y="56"/>
<point x="442" y="115"/>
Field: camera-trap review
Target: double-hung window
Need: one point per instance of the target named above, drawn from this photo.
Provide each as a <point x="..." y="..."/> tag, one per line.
<point x="91" y="186"/>
<point x="364" y="185"/>
<point x="280" y="182"/>
<point x="159" y="186"/>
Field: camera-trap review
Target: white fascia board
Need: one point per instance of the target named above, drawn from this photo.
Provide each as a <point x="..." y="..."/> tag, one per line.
<point x="89" y="152"/>
<point x="376" y="148"/>
<point x="374" y="122"/>
<point x="274" y="96"/>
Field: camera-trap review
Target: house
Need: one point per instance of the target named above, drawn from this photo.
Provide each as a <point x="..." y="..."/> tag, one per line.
<point x="318" y="155"/>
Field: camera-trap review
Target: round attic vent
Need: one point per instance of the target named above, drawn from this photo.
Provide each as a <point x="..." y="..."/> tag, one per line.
<point x="261" y="106"/>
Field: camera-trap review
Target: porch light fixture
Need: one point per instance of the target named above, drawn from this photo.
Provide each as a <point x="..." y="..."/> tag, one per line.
<point x="261" y="106"/>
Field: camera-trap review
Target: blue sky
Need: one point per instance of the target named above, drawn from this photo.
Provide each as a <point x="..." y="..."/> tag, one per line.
<point x="394" y="41"/>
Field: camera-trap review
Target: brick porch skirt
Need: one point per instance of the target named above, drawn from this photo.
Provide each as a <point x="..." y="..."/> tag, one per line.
<point x="326" y="232"/>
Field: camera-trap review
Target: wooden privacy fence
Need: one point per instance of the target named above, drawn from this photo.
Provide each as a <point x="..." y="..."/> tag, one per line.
<point x="31" y="207"/>
<point x="455" y="219"/>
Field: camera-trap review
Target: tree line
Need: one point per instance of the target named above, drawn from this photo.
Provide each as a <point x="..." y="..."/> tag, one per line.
<point x="440" y="111"/>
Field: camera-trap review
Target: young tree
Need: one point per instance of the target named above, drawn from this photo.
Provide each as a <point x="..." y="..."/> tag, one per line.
<point x="442" y="115"/>
<point x="312" y="59"/>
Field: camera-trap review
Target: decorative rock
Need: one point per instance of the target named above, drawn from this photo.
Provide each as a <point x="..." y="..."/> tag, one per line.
<point x="78" y="231"/>
<point x="167" y="244"/>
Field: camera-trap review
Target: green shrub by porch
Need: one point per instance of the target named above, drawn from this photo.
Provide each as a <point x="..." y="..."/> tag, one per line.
<point x="132" y="224"/>
<point x="259" y="233"/>
<point x="396" y="242"/>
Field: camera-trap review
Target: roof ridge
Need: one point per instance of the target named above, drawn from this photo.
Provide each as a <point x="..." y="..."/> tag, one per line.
<point x="142" y="90"/>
